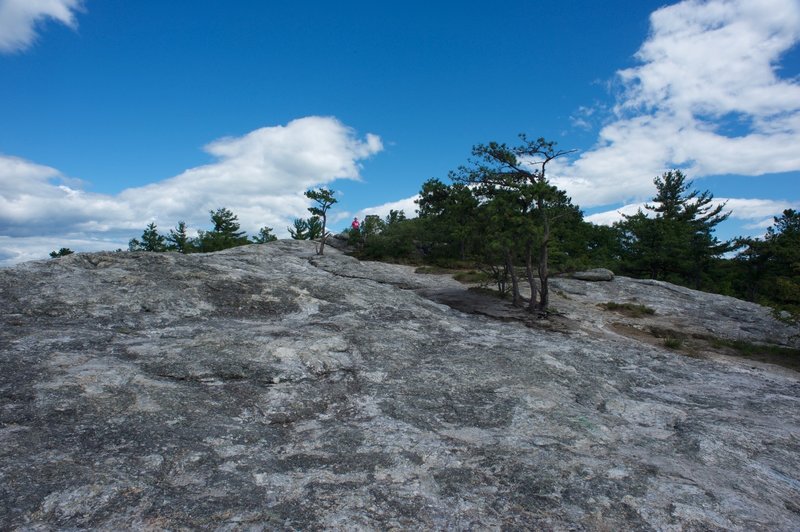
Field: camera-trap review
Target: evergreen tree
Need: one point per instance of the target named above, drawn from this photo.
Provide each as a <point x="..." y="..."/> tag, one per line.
<point x="499" y="170"/>
<point x="226" y="233"/>
<point x="315" y="228"/>
<point x="394" y="238"/>
<point x="178" y="240"/>
<point x="63" y="252"/>
<point x="771" y="266"/>
<point x="372" y="226"/>
<point x="264" y="235"/>
<point x="395" y="216"/>
<point x="324" y="200"/>
<point x="300" y="229"/>
<point x="151" y="240"/>
<point x="450" y="214"/>
<point x="676" y="243"/>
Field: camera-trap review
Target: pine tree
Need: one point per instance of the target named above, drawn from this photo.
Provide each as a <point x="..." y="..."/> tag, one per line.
<point x="772" y="265"/>
<point x="63" y="252"/>
<point x="315" y="229"/>
<point x="178" y="240"/>
<point x="151" y="240"/>
<point x="226" y="233"/>
<point x="264" y="235"/>
<point x="500" y="170"/>
<point x="300" y="229"/>
<point x="324" y="200"/>
<point x="676" y="243"/>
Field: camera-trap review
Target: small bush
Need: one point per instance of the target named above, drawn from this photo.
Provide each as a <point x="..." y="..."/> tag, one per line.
<point x="673" y="343"/>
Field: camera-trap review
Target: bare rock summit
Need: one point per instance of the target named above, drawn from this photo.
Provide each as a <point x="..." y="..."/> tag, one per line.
<point x="265" y="387"/>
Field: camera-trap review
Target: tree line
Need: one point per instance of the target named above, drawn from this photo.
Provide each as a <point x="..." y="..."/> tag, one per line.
<point x="501" y="215"/>
<point x="226" y="232"/>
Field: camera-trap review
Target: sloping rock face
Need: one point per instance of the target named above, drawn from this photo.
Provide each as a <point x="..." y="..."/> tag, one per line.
<point x="266" y="388"/>
<point x="597" y="274"/>
<point x="684" y="311"/>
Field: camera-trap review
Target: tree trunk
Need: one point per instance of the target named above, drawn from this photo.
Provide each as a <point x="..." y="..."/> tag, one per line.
<point x="324" y="234"/>
<point x="529" y="273"/>
<point x="514" y="281"/>
<point x="544" y="257"/>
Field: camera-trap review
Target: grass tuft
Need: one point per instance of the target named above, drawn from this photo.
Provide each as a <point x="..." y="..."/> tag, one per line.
<point x="673" y="343"/>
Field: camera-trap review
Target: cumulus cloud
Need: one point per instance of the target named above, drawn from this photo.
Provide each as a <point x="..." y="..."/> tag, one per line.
<point x="19" y="20"/>
<point x="755" y="214"/>
<point x="758" y="213"/>
<point x="615" y="215"/>
<point x="260" y="176"/>
<point x="706" y="97"/>
<point x="407" y="205"/>
<point x="263" y="173"/>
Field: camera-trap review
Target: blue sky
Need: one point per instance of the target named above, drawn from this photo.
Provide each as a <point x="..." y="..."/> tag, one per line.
<point x="116" y="113"/>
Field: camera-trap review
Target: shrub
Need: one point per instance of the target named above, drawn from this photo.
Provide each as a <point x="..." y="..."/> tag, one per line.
<point x="673" y="343"/>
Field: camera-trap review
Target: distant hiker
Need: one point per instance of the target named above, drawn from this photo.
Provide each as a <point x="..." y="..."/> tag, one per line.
<point x="355" y="224"/>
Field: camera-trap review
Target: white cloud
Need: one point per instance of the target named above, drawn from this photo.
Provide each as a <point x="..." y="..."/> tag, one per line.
<point x="706" y="97"/>
<point x="260" y="176"/>
<point x="758" y="213"/>
<point x="407" y="205"/>
<point x="609" y="217"/>
<point x="15" y="250"/>
<point x="263" y="173"/>
<point x="752" y="214"/>
<point x="19" y="20"/>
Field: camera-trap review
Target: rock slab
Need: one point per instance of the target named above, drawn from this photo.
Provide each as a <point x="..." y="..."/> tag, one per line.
<point x="596" y="274"/>
<point x="266" y="388"/>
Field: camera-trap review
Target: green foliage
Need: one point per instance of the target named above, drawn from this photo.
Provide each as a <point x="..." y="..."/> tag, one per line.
<point x="395" y="216"/>
<point x="264" y="235"/>
<point x="178" y="240"/>
<point x="675" y="243"/>
<point x="392" y="239"/>
<point x="371" y="227"/>
<point x="471" y="277"/>
<point x="151" y="240"/>
<point x="309" y="229"/>
<point x="315" y="228"/>
<point x="522" y="207"/>
<point x="324" y="199"/>
<point x="450" y="217"/>
<point x="673" y="343"/>
<point x="299" y="231"/>
<point x="770" y="267"/>
<point x="226" y="233"/>
<point x="63" y="252"/>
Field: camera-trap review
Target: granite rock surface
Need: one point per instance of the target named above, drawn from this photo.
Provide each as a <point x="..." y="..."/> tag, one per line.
<point x="265" y="387"/>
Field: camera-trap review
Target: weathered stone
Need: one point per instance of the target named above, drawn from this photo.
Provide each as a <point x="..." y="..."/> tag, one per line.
<point x="596" y="274"/>
<point x="265" y="387"/>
